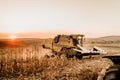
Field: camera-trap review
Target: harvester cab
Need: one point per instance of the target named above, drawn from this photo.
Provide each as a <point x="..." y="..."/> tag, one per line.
<point x="66" y="41"/>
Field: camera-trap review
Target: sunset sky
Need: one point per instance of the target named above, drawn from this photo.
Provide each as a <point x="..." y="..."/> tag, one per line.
<point x="93" y="18"/>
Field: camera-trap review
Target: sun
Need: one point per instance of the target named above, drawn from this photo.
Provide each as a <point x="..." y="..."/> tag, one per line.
<point x="13" y="37"/>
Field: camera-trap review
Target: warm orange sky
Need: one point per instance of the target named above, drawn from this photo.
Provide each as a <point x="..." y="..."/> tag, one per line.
<point x="90" y="17"/>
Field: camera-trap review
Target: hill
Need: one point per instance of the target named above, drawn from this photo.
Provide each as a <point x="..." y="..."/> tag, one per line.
<point x="106" y="39"/>
<point x="109" y="38"/>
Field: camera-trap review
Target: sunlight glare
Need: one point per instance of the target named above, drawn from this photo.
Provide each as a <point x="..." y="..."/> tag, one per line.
<point x="13" y="37"/>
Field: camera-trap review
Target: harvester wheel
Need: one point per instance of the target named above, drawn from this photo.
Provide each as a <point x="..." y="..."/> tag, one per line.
<point x="78" y="55"/>
<point x="63" y="52"/>
<point x="112" y="73"/>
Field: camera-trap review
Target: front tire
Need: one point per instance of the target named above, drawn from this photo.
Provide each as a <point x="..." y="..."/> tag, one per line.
<point x="112" y="73"/>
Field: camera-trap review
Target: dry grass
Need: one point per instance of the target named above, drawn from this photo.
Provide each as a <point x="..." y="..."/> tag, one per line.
<point x="51" y="69"/>
<point x="27" y="63"/>
<point x="14" y="65"/>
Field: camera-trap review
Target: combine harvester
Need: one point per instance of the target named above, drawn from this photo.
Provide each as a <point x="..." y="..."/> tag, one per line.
<point x="72" y="46"/>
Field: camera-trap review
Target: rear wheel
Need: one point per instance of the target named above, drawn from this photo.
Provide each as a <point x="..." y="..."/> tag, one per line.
<point x="67" y="52"/>
<point x="63" y="52"/>
<point x="112" y="73"/>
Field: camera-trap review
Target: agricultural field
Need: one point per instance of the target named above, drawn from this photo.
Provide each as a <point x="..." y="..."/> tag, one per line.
<point x="23" y="59"/>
